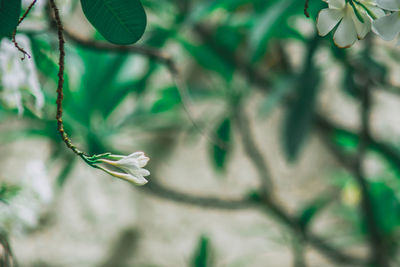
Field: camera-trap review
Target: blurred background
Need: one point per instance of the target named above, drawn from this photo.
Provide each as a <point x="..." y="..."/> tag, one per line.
<point x="269" y="145"/>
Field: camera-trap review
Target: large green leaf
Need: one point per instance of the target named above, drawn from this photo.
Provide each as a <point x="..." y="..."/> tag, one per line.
<point x="119" y="21"/>
<point x="9" y="16"/>
<point x="301" y="111"/>
<point x="300" y="115"/>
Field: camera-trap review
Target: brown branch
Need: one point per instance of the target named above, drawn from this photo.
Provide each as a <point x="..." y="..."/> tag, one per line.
<point x="306" y="8"/>
<point x="60" y="84"/>
<point x="15" y="31"/>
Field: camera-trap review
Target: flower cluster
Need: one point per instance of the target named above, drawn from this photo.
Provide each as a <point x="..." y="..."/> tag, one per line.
<point x="355" y="18"/>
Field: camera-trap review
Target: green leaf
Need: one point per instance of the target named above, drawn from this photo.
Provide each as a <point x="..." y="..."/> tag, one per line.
<point x="7" y="192"/>
<point x="220" y="154"/>
<point x="119" y="21"/>
<point x="301" y="111"/>
<point x="300" y="115"/>
<point x="169" y="99"/>
<point x="279" y="91"/>
<point x="386" y="205"/>
<point x="309" y="212"/>
<point x="9" y="16"/>
<point x="264" y="27"/>
<point x="202" y="257"/>
<point x="346" y="140"/>
<point x="65" y="172"/>
<point x="209" y="59"/>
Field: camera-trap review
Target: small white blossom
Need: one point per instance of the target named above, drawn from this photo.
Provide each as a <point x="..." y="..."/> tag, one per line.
<point x="129" y="168"/>
<point x="350" y="27"/>
<point x="388" y="27"/>
<point x="18" y="77"/>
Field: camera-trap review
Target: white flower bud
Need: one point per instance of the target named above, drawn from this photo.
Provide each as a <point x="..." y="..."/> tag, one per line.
<point x="129" y="168"/>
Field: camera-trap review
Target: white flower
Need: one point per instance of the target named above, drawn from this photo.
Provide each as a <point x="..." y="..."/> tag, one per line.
<point x="129" y="168"/>
<point x="17" y="76"/>
<point x="350" y="26"/>
<point x="388" y="27"/>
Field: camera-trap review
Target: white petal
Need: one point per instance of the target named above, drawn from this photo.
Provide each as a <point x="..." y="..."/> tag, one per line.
<point x="387" y="27"/>
<point x="111" y="162"/>
<point x="327" y="20"/>
<point x="346" y="33"/>
<point x="361" y="28"/>
<point x="135" y="155"/>
<point x="137" y="180"/>
<point x="137" y="158"/>
<point x="392" y="5"/>
<point x="128" y="163"/>
<point x="143" y="161"/>
<point x="339" y="4"/>
<point x="376" y="11"/>
<point x="144" y="172"/>
<point x="139" y="172"/>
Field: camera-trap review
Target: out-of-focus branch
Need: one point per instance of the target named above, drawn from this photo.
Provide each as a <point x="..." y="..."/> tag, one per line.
<point x="253" y="153"/>
<point x="7" y="258"/>
<point x="161" y="191"/>
<point x="354" y="166"/>
<point x="333" y="253"/>
<point x="146" y="51"/>
<point x="376" y="240"/>
<point x="269" y="205"/>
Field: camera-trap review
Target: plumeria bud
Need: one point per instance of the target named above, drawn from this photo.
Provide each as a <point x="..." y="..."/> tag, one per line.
<point x="129" y="168"/>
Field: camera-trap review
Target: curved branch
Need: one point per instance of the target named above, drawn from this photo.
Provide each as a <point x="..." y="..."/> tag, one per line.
<point x="161" y="191"/>
<point x="251" y="149"/>
<point x="149" y="52"/>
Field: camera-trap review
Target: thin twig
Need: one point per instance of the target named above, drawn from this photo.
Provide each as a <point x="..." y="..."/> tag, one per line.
<point x="306" y="9"/>
<point x="60" y="84"/>
<point x="24" y="53"/>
